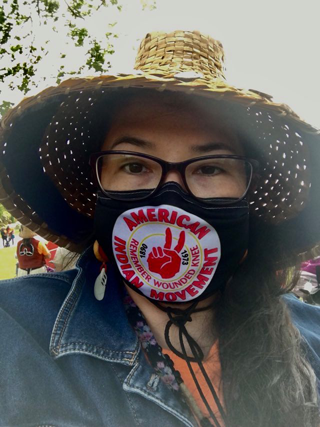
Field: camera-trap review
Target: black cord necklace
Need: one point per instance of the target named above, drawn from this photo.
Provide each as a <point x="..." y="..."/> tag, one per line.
<point x="162" y="363"/>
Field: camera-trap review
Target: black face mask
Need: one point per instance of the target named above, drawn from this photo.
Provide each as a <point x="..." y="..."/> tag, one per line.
<point x="171" y="247"/>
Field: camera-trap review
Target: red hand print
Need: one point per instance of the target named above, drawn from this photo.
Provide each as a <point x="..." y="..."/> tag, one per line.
<point x="166" y="261"/>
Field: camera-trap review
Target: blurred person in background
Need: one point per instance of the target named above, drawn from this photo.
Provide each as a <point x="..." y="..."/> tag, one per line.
<point x="11" y="236"/>
<point x="7" y="236"/>
<point x="3" y="237"/>
<point x="64" y="260"/>
<point x="308" y="286"/>
<point x="31" y="253"/>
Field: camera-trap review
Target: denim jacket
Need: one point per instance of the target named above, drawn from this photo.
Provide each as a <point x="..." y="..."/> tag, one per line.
<point x="68" y="360"/>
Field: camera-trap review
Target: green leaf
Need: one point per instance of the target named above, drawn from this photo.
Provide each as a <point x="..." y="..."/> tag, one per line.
<point x="51" y="7"/>
<point x="4" y="107"/>
<point x="17" y="48"/>
<point x="79" y="35"/>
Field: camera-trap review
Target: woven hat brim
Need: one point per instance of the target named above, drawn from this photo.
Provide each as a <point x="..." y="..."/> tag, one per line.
<point x="218" y="89"/>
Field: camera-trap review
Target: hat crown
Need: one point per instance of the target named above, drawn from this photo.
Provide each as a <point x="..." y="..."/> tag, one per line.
<point x="186" y="52"/>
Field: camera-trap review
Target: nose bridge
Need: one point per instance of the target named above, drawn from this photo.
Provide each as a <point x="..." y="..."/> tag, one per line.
<point x="173" y="173"/>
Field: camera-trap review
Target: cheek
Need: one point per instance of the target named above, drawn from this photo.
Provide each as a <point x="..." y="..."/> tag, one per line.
<point x="238" y="188"/>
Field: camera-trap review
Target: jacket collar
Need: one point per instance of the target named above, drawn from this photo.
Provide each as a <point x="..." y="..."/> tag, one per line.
<point x="97" y="328"/>
<point x="101" y="329"/>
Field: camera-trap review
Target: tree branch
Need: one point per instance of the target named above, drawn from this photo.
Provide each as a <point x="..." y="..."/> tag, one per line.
<point x="73" y="12"/>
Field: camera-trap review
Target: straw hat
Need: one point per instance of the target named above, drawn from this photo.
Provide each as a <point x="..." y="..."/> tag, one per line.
<point x="26" y="233"/>
<point x="47" y="139"/>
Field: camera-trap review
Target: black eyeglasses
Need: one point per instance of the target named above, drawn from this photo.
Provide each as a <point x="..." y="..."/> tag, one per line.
<point x="127" y="175"/>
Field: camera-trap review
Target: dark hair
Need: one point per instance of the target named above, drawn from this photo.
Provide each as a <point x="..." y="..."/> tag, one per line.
<point x="267" y="380"/>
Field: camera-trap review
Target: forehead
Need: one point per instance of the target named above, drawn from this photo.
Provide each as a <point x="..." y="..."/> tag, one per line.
<point x="158" y="116"/>
<point x="164" y="105"/>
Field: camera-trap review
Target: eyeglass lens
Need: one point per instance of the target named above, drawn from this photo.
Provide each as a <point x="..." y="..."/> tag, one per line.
<point x="206" y="178"/>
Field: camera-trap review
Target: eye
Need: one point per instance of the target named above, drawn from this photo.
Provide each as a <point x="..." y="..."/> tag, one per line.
<point x="134" y="168"/>
<point x="208" y="170"/>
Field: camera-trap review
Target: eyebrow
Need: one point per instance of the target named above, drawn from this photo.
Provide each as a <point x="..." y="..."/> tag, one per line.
<point x="212" y="146"/>
<point x="198" y="149"/>
<point x="138" y="142"/>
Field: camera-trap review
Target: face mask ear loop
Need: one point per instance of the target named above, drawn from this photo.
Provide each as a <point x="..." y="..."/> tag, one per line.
<point x="179" y="318"/>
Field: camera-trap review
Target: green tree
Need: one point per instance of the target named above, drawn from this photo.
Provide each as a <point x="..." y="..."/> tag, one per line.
<point x="2" y="209"/>
<point x="4" y="107"/>
<point x="66" y="24"/>
<point x="5" y="216"/>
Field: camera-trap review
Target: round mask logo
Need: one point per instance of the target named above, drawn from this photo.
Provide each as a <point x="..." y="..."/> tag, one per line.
<point x="167" y="253"/>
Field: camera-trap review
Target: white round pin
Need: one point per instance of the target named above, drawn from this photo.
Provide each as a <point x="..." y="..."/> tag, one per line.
<point x="167" y="253"/>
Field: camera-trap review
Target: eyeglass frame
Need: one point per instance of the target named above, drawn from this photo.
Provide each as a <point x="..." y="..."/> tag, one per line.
<point x="166" y="167"/>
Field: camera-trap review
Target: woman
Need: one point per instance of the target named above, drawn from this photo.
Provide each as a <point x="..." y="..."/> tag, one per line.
<point x="3" y="237"/>
<point x="201" y="196"/>
<point x="31" y="253"/>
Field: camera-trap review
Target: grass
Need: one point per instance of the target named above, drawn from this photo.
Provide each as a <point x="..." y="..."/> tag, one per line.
<point x="7" y="262"/>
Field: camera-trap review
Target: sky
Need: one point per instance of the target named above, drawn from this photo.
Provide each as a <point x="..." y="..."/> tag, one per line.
<point x="271" y="46"/>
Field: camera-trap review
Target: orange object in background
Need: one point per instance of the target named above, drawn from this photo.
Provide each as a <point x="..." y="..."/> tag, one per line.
<point x="53" y="249"/>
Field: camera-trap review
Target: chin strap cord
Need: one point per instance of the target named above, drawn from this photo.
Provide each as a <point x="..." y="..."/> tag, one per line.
<point x="162" y="362"/>
<point x="179" y="318"/>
